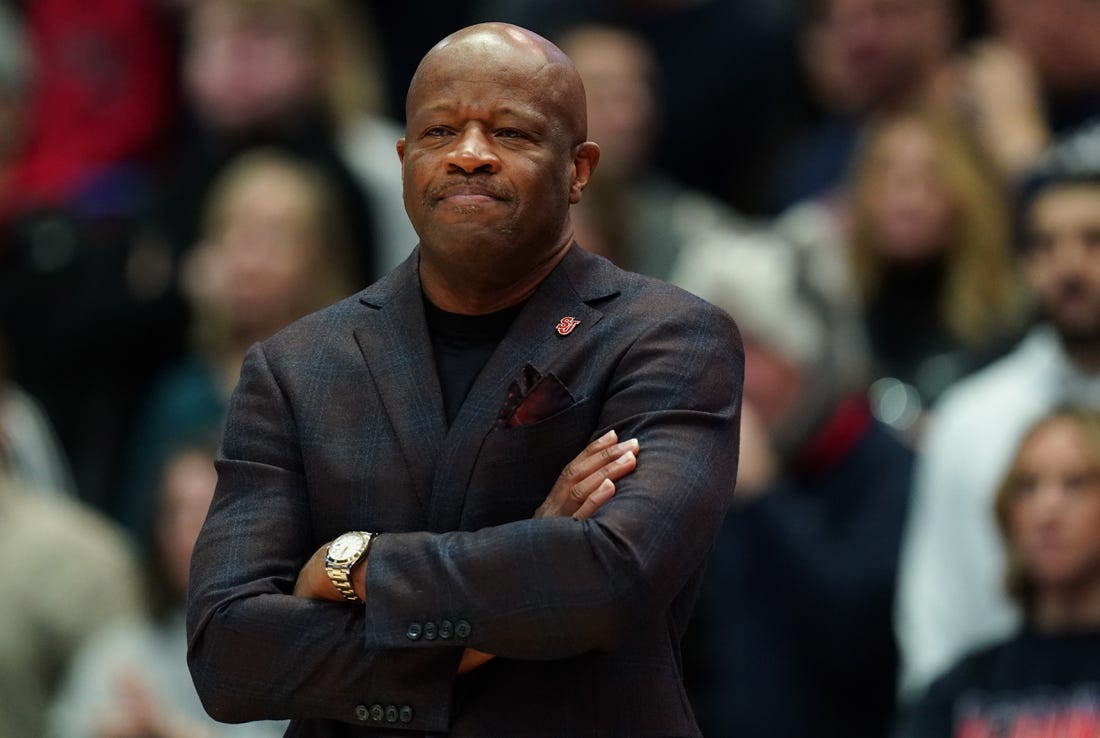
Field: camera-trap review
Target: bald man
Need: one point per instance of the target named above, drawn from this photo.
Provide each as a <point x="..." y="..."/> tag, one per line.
<point x="475" y="498"/>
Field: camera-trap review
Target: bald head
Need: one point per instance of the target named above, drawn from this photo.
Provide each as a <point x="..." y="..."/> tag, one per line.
<point x="497" y="52"/>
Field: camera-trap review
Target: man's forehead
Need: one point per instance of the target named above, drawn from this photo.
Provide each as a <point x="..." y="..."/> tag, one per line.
<point x="501" y="39"/>
<point x="488" y="62"/>
<point x="506" y="59"/>
<point x="1069" y="190"/>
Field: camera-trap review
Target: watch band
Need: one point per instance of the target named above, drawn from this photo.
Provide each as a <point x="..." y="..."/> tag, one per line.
<point x="339" y="570"/>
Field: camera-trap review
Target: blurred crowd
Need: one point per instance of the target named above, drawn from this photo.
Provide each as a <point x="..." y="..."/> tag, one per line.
<point x="897" y="200"/>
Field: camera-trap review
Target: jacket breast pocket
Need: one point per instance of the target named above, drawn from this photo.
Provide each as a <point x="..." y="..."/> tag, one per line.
<point x="517" y="467"/>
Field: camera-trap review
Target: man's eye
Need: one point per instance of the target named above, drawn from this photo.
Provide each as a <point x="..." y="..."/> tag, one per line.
<point x="510" y="133"/>
<point x="1040" y="244"/>
<point x="1091" y="237"/>
<point x="436" y="132"/>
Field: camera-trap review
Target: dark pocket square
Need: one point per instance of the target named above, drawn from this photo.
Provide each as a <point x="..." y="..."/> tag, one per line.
<point x="539" y="398"/>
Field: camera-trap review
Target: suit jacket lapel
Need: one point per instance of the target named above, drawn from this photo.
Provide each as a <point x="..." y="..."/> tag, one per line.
<point x="532" y="339"/>
<point x="393" y="338"/>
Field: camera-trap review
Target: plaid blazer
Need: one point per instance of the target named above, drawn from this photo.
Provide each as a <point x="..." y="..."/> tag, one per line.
<point x="337" y="424"/>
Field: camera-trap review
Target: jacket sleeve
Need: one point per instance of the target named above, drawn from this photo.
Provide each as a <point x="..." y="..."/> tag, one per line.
<point x="254" y="650"/>
<point x="554" y="588"/>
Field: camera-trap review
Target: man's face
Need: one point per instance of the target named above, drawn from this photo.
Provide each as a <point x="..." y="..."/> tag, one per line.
<point x="622" y="105"/>
<point x="1058" y="38"/>
<point x="489" y="161"/>
<point x="773" y="383"/>
<point x="1063" y="260"/>
<point x="244" y="69"/>
<point x="887" y="47"/>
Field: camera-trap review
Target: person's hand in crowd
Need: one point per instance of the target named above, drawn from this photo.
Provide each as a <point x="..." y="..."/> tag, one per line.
<point x="1001" y="100"/>
<point x="137" y="714"/>
<point x="758" y="463"/>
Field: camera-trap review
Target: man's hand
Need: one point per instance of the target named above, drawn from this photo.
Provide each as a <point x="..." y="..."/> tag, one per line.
<point x="1002" y="97"/>
<point x="135" y="713"/>
<point x="588" y="481"/>
<point x="313" y="582"/>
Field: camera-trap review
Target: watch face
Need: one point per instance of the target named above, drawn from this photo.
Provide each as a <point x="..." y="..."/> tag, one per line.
<point x="345" y="546"/>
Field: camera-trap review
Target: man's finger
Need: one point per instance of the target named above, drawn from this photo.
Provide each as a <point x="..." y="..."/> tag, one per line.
<point x="617" y="469"/>
<point x="589" y="463"/>
<point x="594" y="501"/>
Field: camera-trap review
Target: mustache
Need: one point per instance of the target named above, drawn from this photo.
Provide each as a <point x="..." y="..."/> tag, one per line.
<point x="469" y="186"/>
<point x="1071" y="288"/>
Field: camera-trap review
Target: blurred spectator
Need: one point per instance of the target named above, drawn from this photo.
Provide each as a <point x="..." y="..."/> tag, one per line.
<point x="949" y="598"/>
<point x="65" y="572"/>
<point x="273" y="248"/>
<point x="1032" y="79"/>
<point x="731" y="81"/>
<point x="862" y="57"/>
<point x="631" y="213"/>
<point x="99" y="103"/>
<point x="29" y="449"/>
<point x="266" y="73"/>
<point x="85" y="300"/>
<point x="131" y="680"/>
<point x="931" y="255"/>
<point x="368" y="135"/>
<point x="793" y="635"/>
<point x="1045" y="680"/>
<point x="14" y="102"/>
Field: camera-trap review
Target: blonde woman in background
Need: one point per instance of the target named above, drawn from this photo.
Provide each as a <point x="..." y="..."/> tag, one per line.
<point x="273" y="248"/>
<point x="930" y="253"/>
<point x="1044" y="681"/>
<point x="303" y="69"/>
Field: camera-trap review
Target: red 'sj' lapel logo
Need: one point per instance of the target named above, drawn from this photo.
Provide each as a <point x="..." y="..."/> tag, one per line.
<point x="567" y="324"/>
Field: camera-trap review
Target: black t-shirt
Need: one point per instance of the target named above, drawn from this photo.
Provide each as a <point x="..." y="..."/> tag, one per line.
<point x="1034" y="685"/>
<point x="461" y="345"/>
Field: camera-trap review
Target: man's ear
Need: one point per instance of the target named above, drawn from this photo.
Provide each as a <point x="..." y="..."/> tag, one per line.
<point x="401" y="154"/>
<point x="585" y="158"/>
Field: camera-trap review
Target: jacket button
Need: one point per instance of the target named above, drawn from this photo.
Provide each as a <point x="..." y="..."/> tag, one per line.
<point x="429" y="631"/>
<point x="406" y="714"/>
<point x="391" y="714"/>
<point x="362" y="713"/>
<point x="414" y="631"/>
<point x="446" y="629"/>
<point x="377" y="713"/>
<point x="462" y="629"/>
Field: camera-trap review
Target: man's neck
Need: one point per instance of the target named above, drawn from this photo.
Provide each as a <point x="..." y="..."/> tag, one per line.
<point x="1085" y="358"/>
<point x="475" y="294"/>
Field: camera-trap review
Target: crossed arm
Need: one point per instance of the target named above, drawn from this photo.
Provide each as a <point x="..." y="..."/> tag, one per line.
<point x="583" y="486"/>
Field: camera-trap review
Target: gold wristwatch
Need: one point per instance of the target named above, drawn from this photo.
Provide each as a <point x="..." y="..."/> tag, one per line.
<point x="343" y="553"/>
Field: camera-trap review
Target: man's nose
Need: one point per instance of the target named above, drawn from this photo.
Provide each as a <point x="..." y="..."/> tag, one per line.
<point x="1070" y="254"/>
<point x="473" y="152"/>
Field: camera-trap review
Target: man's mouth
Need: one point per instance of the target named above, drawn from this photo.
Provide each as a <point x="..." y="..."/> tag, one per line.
<point x="467" y="193"/>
